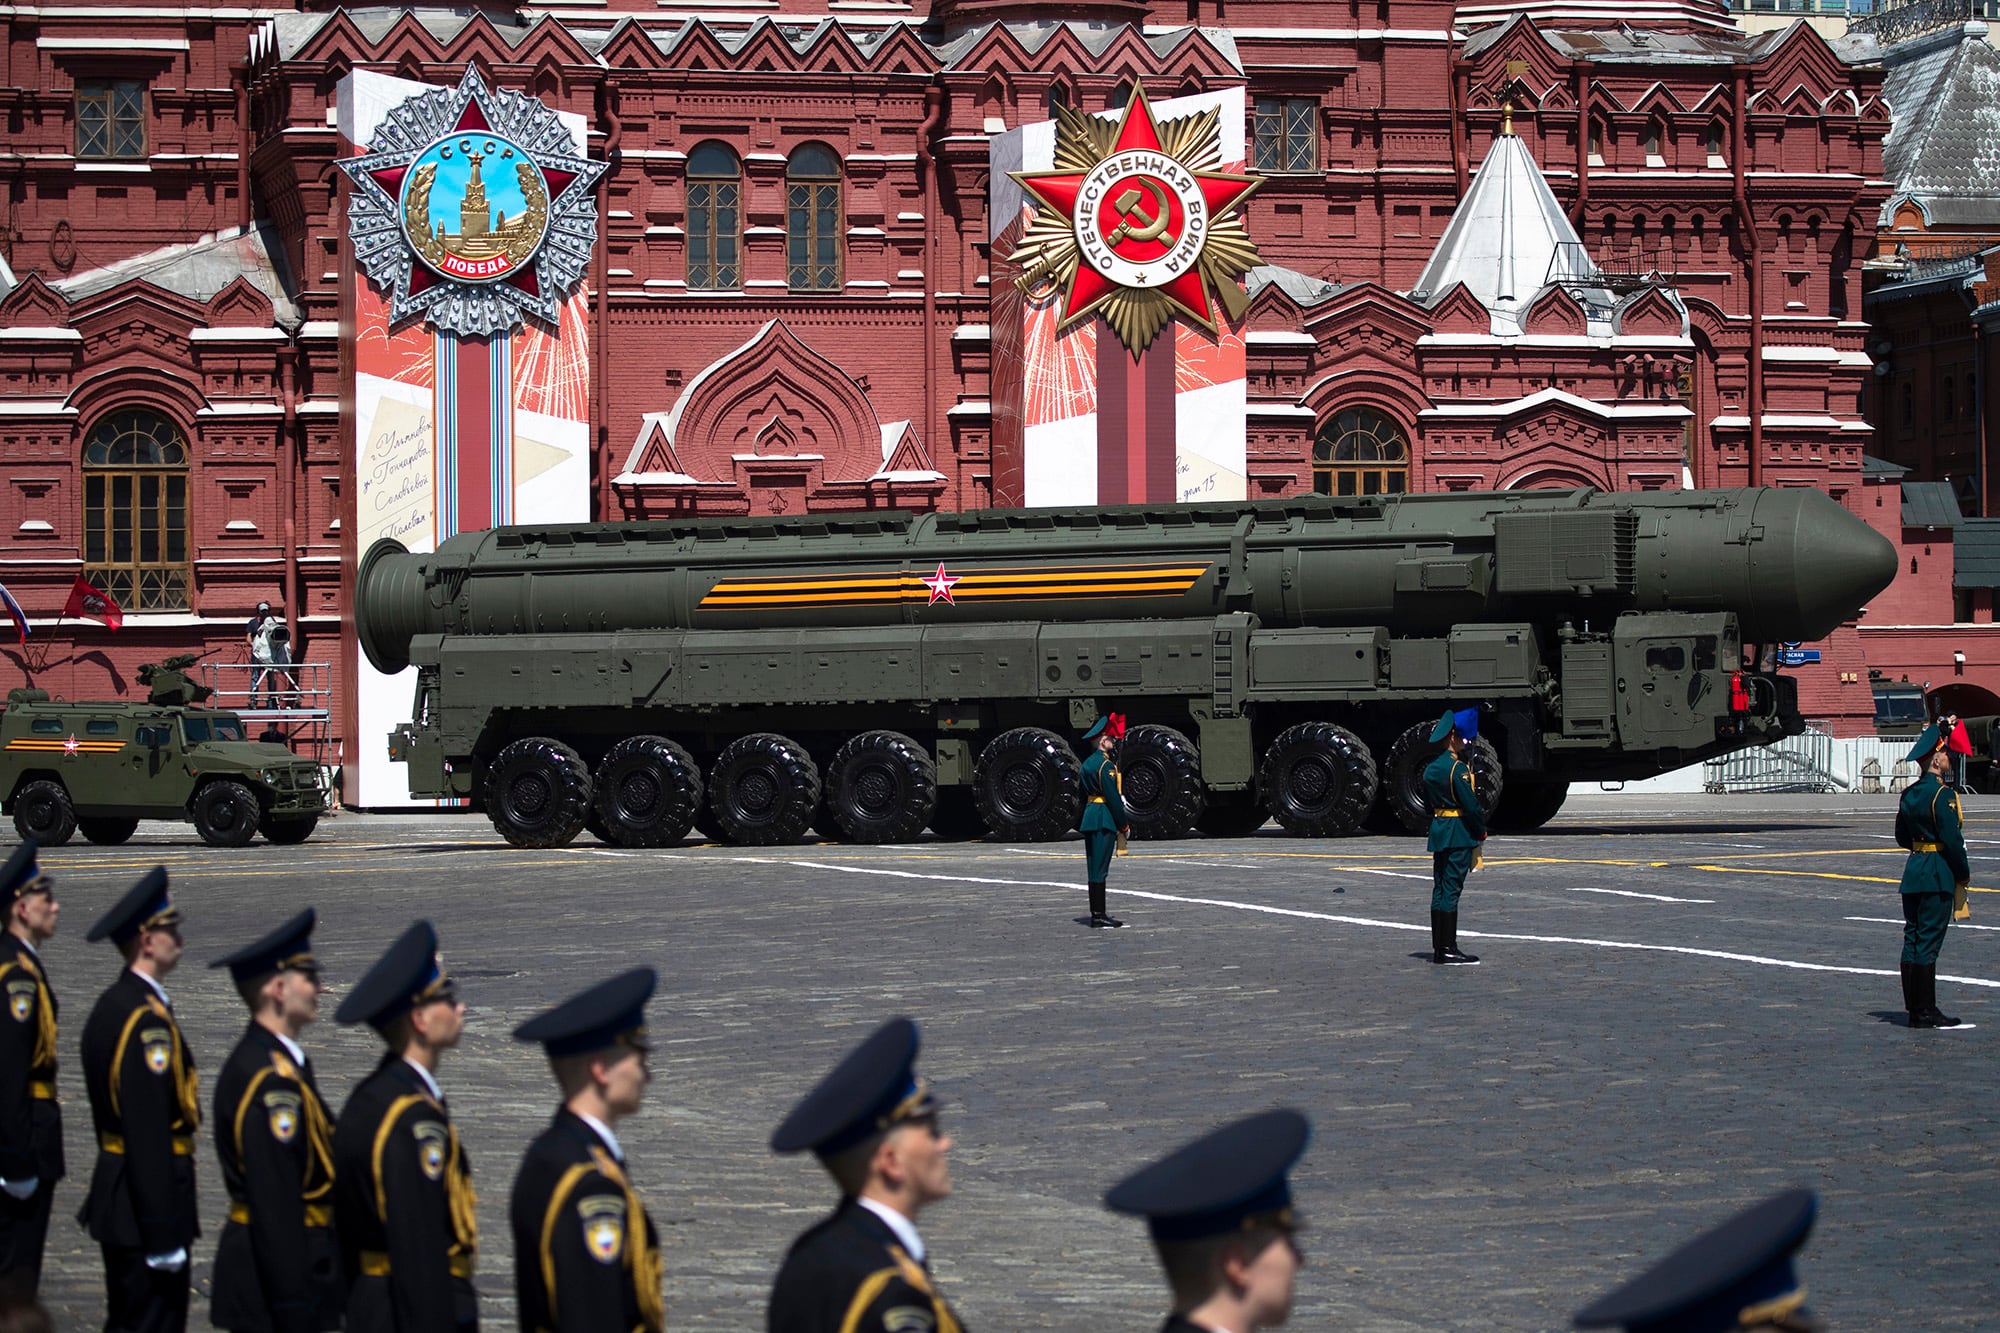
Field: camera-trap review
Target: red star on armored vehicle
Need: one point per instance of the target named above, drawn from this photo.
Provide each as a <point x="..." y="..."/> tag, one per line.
<point x="941" y="585"/>
<point x="72" y="745"/>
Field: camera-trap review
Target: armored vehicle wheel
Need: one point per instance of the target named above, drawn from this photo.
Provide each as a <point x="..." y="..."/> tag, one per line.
<point x="594" y="826"/>
<point x="1162" y="788"/>
<point x="956" y="818"/>
<point x="1318" y="780"/>
<point x="287" y="832"/>
<point x="765" y="789"/>
<point x="225" y="813"/>
<point x="1526" y="806"/>
<point x="537" y="792"/>
<point x="1403" y="782"/>
<point x="42" y="811"/>
<point x="1029" y="785"/>
<point x="1233" y="814"/>
<point x="107" y="832"/>
<point x="825" y="822"/>
<point x="882" y="787"/>
<point x="648" y="792"/>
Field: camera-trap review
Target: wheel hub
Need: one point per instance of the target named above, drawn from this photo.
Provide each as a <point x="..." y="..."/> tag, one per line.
<point x="756" y="793"/>
<point x="875" y="789"/>
<point x="530" y="795"/>
<point x="1021" y="789"/>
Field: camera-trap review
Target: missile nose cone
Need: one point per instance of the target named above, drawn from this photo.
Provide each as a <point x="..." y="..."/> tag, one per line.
<point x="1839" y="564"/>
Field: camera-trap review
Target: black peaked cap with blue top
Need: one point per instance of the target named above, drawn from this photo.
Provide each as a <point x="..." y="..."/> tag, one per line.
<point x="611" y="1013"/>
<point x="870" y="1092"/>
<point x="286" y="949"/>
<point x="1738" y="1275"/>
<point x="409" y="974"/>
<point x="1227" y="1180"/>
<point x="22" y="873"/>
<point x="147" y="906"/>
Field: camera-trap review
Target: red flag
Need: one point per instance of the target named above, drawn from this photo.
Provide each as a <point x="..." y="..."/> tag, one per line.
<point x="89" y="602"/>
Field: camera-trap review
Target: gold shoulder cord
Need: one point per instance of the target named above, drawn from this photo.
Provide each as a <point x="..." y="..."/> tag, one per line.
<point x="44" y="1056"/>
<point x="648" y="1265"/>
<point x="457" y="1180"/>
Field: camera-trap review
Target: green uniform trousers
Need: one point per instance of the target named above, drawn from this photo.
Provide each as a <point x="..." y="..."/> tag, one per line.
<point x="1925" y="916"/>
<point x="1448" y="871"/>
<point x="1098" y="845"/>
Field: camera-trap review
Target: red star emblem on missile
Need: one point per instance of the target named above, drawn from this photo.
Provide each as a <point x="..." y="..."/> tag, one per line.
<point x="72" y="745"/>
<point x="941" y="585"/>
<point x="1141" y="220"/>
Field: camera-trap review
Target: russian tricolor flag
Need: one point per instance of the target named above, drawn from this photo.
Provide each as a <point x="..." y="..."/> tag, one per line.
<point x="14" y="610"/>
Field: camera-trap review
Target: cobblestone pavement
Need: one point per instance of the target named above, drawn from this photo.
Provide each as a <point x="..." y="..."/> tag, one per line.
<point x="1687" y="1003"/>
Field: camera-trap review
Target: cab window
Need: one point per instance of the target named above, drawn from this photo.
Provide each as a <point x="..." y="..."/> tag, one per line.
<point x="227" y="728"/>
<point x="195" y="729"/>
<point x="48" y="726"/>
<point x="101" y="726"/>
<point x="154" y="736"/>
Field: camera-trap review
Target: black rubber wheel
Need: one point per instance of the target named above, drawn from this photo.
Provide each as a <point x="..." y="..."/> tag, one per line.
<point x="705" y="822"/>
<point x="1028" y="785"/>
<point x="1318" y="780"/>
<point x="1162" y="790"/>
<point x="42" y="811"/>
<point x="1233" y="814"/>
<point x="956" y="818"/>
<point x="107" y="832"/>
<point x="765" y="790"/>
<point x="1527" y="805"/>
<point x="225" y="814"/>
<point x="1403" y="792"/>
<point x="882" y="787"/>
<point x="287" y="832"/>
<point x="537" y="792"/>
<point x="648" y="791"/>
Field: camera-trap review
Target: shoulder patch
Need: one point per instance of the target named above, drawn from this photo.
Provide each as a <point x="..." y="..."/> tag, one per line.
<point x="433" y="1146"/>
<point x="159" y="1048"/>
<point x="908" y="1319"/>
<point x="283" y="1109"/>
<point x="21" y="999"/>
<point x="603" y="1218"/>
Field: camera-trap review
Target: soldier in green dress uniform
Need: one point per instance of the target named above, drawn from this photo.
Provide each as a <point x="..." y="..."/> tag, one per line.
<point x="1220" y="1213"/>
<point x="1103" y="813"/>
<point x="1929" y="824"/>
<point x="1458" y="826"/>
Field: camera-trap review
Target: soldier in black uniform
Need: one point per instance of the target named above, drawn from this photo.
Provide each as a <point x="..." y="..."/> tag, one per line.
<point x="277" y="1265"/>
<point x="403" y="1201"/>
<point x="874" y="1126"/>
<point x="1737" y="1276"/>
<point x="586" y="1255"/>
<point x="1220" y="1213"/>
<point x="31" y="1149"/>
<point x="146" y="1107"/>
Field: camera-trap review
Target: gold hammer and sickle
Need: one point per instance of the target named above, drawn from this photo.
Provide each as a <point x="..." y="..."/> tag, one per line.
<point x="1149" y="227"/>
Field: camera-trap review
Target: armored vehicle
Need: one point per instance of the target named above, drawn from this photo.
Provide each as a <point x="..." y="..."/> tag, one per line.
<point x="871" y="674"/>
<point x="100" y="768"/>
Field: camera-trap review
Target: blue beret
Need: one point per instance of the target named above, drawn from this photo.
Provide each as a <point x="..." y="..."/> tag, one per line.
<point x="22" y="873"/>
<point x="1216" y="1184"/>
<point x="608" y="1013"/>
<point x="409" y="974"/>
<point x="1465" y="722"/>
<point x="146" y="907"/>
<point x="1708" y="1284"/>
<point x="286" y="949"/>
<point x="871" y="1091"/>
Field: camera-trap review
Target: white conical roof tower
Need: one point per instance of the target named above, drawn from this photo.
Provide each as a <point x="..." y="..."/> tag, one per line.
<point x="1509" y="239"/>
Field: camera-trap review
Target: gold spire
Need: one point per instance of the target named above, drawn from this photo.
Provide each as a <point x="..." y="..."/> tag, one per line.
<point x="1507" y="117"/>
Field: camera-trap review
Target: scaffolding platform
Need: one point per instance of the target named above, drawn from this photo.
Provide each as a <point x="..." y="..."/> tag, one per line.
<point x="296" y="700"/>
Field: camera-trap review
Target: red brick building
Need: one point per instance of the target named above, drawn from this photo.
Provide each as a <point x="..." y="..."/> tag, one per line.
<point x="794" y="245"/>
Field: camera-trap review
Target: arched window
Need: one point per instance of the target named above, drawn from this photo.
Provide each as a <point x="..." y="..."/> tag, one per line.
<point x="1595" y="148"/>
<point x="715" y="230"/>
<point x="1712" y="143"/>
<point x="1119" y="96"/>
<point x="1656" y="144"/>
<point x="812" y="219"/>
<point x="1361" y="452"/>
<point x="1058" y="97"/>
<point x="135" y="511"/>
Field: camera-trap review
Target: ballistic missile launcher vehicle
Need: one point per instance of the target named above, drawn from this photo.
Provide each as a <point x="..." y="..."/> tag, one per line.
<point x="872" y="674"/>
<point x="102" y="767"/>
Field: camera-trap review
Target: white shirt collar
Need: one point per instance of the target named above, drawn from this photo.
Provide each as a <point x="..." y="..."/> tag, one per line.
<point x="905" y="1230"/>
<point x="29" y="945"/>
<point x="603" y="1132"/>
<point x="158" y="989"/>
<point x="292" y="1048"/>
<point x="425" y="1075"/>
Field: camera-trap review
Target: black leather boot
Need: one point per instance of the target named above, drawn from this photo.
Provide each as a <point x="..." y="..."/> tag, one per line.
<point x="1437" y="936"/>
<point x="1913" y="1003"/>
<point x="1452" y="953"/>
<point x="1099" y="918"/>
<point x="1933" y="1017"/>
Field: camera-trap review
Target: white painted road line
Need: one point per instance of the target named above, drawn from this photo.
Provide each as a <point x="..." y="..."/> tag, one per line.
<point x="1897" y="921"/>
<point x="1724" y="955"/>
<point x="1628" y="893"/>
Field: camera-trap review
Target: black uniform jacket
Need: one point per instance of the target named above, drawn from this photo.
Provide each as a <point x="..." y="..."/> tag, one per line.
<point x="1176" y="1324"/>
<point x="403" y="1207"/>
<point x="850" y="1275"/>
<point x="586" y="1256"/>
<point x="145" y="1106"/>
<point x="277" y="1266"/>
<point x="30" y="1122"/>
